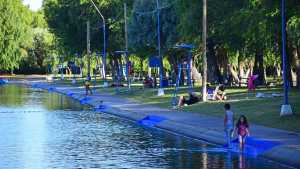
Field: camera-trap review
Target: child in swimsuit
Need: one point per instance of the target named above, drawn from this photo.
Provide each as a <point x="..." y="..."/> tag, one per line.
<point x="242" y="128"/>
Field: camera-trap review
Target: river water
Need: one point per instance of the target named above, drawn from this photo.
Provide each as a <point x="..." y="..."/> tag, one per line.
<point x="42" y="130"/>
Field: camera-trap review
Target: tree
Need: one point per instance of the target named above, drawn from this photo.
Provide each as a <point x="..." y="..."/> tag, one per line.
<point x="143" y="27"/>
<point x="14" y="33"/>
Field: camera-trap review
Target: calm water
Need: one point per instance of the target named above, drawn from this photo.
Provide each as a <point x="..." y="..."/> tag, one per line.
<point x="45" y="130"/>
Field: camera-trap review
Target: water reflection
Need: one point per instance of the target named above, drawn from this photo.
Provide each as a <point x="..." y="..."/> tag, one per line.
<point x="46" y="130"/>
<point x="10" y="93"/>
<point x="229" y="164"/>
<point x="242" y="162"/>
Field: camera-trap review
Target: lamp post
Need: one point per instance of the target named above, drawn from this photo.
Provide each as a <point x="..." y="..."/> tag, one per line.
<point x="104" y="40"/>
<point x="161" y="67"/>
<point x="204" y="36"/>
<point x="286" y="109"/>
<point x="74" y="68"/>
<point x="88" y="50"/>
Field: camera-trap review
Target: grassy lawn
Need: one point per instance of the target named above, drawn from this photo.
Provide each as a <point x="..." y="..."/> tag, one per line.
<point x="263" y="111"/>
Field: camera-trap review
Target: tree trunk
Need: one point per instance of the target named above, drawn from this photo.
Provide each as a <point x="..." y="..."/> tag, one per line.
<point x="277" y="71"/>
<point x="241" y="69"/>
<point x="234" y="74"/>
<point x="141" y="68"/>
<point x="297" y="66"/>
<point x="259" y="68"/>
<point x="289" y="65"/>
<point x="111" y="61"/>
<point x="213" y="71"/>
<point x="196" y="75"/>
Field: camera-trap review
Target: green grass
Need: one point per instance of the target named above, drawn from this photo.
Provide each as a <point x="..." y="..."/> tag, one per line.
<point x="263" y="111"/>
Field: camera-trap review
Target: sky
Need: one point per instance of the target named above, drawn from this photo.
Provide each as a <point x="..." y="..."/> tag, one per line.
<point x="33" y="4"/>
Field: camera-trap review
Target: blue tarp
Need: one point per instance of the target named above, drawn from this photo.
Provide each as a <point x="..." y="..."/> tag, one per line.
<point x="151" y="120"/>
<point x="70" y="94"/>
<point x="3" y="81"/>
<point x="51" y="89"/>
<point x="154" y="61"/>
<point x="254" y="146"/>
<point x="85" y="100"/>
<point x="100" y="108"/>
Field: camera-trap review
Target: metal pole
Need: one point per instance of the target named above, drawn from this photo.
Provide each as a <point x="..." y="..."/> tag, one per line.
<point x="88" y="49"/>
<point x="204" y="36"/>
<point x="286" y="109"/>
<point x="158" y="44"/>
<point x="125" y="20"/>
<point x="104" y="41"/>
<point x="126" y="46"/>
<point x="104" y="51"/>
<point x="189" y="73"/>
<point x="284" y="57"/>
<point x="161" y="67"/>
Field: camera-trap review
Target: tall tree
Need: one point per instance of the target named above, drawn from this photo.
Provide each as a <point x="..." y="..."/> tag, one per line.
<point x="14" y="32"/>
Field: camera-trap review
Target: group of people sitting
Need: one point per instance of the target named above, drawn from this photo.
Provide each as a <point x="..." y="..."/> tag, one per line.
<point x="212" y="94"/>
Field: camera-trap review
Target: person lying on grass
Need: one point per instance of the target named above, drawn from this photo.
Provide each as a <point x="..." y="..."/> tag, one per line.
<point x="192" y="99"/>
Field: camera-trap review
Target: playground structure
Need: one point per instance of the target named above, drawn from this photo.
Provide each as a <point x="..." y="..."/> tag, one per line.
<point x="185" y="64"/>
<point x="155" y="64"/>
<point x="122" y="65"/>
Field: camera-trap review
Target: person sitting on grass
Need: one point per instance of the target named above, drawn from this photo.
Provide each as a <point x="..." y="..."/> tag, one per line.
<point x="191" y="100"/>
<point x="217" y="94"/>
<point x="87" y="84"/>
<point x="148" y="82"/>
<point x="242" y="129"/>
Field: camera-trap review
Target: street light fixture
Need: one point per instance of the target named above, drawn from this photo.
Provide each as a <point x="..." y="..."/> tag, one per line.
<point x="104" y="40"/>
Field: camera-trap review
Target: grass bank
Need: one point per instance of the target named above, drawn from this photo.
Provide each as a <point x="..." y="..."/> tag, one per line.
<point x="263" y="111"/>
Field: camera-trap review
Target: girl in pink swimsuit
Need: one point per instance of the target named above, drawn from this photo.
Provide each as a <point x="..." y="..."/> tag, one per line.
<point x="242" y="128"/>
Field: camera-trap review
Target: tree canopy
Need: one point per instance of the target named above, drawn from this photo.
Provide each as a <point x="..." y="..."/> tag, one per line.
<point x="14" y="32"/>
<point x="244" y="37"/>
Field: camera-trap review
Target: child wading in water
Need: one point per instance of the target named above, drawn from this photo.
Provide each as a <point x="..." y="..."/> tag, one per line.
<point x="228" y="123"/>
<point x="242" y="128"/>
<point x="87" y="87"/>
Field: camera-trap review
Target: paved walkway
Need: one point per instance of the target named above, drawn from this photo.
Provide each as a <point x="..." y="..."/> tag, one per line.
<point x="187" y="123"/>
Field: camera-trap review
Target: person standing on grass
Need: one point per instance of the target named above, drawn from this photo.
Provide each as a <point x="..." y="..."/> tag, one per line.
<point x="228" y="123"/>
<point x="242" y="128"/>
<point x="87" y="87"/>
